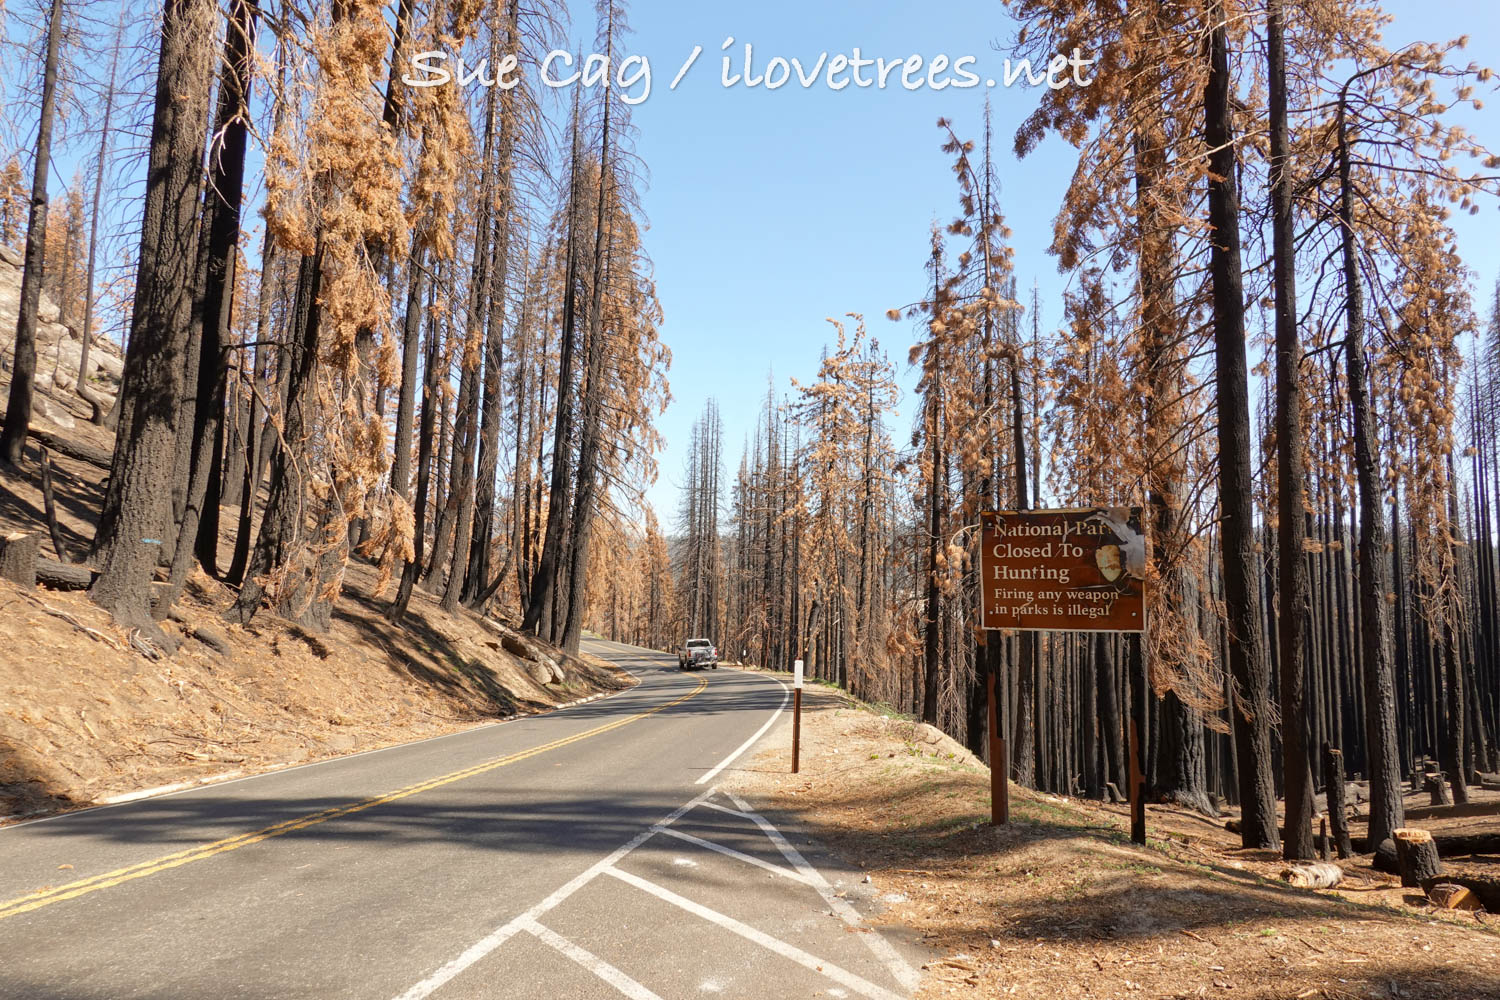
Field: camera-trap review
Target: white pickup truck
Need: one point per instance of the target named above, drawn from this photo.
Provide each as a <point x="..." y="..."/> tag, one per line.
<point x="695" y="654"/>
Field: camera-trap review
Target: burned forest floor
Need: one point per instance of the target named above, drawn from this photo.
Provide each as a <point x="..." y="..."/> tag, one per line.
<point x="1060" y="903"/>
<point x="88" y="716"/>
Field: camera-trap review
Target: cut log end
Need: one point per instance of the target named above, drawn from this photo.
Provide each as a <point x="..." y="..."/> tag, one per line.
<point x="1480" y="879"/>
<point x="1449" y="896"/>
<point x="1321" y="875"/>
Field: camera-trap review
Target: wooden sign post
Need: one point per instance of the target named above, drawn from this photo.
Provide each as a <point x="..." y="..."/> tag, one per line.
<point x="797" y="717"/>
<point x="1076" y="570"/>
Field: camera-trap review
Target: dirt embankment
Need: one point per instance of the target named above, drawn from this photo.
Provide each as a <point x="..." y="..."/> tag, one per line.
<point x="1061" y="904"/>
<point x="86" y="717"/>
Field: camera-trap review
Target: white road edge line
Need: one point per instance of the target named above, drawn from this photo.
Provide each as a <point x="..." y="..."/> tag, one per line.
<point x="898" y="967"/>
<point x="788" y="951"/>
<point x="593" y="963"/>
<point x="505" y="932"/>
<point x="732" y="812"/>
<point x="740" y="855"/>
<point x="711" y="775"/>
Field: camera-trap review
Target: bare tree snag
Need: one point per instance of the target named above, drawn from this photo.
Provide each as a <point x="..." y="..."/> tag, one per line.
<point x="49" y="507"/>
<point x="23" y="374"/>
<point x="1416" y="855"/>
<point x="1338" y="816"/>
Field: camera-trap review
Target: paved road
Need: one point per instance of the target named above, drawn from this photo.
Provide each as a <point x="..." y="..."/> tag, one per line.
<point x="583" y="853"/>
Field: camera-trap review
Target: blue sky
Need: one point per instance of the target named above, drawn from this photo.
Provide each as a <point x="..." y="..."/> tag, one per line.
<point x="770" y="211"/>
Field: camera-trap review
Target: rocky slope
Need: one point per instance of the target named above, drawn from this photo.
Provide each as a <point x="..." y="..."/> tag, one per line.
<point x="58" y="349"/>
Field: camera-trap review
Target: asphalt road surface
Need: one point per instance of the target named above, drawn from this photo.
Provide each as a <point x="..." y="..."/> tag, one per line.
<point x="583" y="853"/>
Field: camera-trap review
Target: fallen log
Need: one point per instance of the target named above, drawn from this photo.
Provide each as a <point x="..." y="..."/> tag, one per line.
<point x="1416" y="855"/>
<point x="208" y="635"/>
<point x="1321" y="875"/>
<point x="63" y="576"/>
<point x="1482" y="880"/>
<point x="80" y="450"/>
<point x="1457" y="845"/>
<point x="1464" y="810"/>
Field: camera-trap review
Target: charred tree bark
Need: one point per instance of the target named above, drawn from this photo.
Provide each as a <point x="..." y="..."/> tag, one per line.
<point x="87" y="393"/>
<point x="430" y="387"/>
<point x="539" y="612"/>
<point x="411" y="352"/>
<point x="23" y="375"/>
<point x="1251" y="709"/>
<point x="1383" y="762"/>
<point x="199" y="532"/>
<point x="136" y="512"/>
<point x="282" y="530"/>
<point x="1291" y="472"/>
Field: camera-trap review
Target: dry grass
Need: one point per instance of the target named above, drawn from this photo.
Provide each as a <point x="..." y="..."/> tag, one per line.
<point x="1060" y="904"/>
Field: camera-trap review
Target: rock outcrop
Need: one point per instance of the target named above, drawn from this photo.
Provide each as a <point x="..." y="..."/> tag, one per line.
<point x="58" y="346"/>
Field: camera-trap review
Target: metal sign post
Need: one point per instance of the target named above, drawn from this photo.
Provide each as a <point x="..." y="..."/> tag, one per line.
<point x="796" y="716"/>
<point x="1076" y="570"/>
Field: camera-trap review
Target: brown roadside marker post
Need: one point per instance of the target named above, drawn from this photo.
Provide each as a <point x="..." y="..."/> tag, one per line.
<point x="1073" y="570"/>
<point x="1137" y="788"/>
<point x="796" y="717"/>
<point x="999" y="761"/>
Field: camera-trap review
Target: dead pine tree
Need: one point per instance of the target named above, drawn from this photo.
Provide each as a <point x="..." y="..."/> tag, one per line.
<point x="136" y="516"/>
<point x="23" y="374"/>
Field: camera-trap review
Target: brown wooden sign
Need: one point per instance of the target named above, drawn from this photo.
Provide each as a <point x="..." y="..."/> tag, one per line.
<point x="1063" y="570"/>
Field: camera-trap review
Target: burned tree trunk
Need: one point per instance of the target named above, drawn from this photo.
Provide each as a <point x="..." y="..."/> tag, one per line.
<point x="1291" y="474"/>
<point x="137" y="512"/>
<point x="1251" y="711"/>
<point x="23" y="375"/>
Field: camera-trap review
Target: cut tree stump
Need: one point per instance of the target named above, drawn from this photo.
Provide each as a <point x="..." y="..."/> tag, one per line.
<point x="1416" y="855"/>
<point x="1451" y="896"/>
<point x="1321" y="875"/>
<point x="1435" y="785"/>
<point x="19" y="552"/>
<point x="1385" y="858"/>
<point x="1482" y="880"/>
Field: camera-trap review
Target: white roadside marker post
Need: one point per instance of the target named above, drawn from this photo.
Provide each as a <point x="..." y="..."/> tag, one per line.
<point x="796" y="716"/>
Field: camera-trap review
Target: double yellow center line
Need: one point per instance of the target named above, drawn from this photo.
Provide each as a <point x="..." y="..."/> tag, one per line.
<point x="56" y="894"/>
